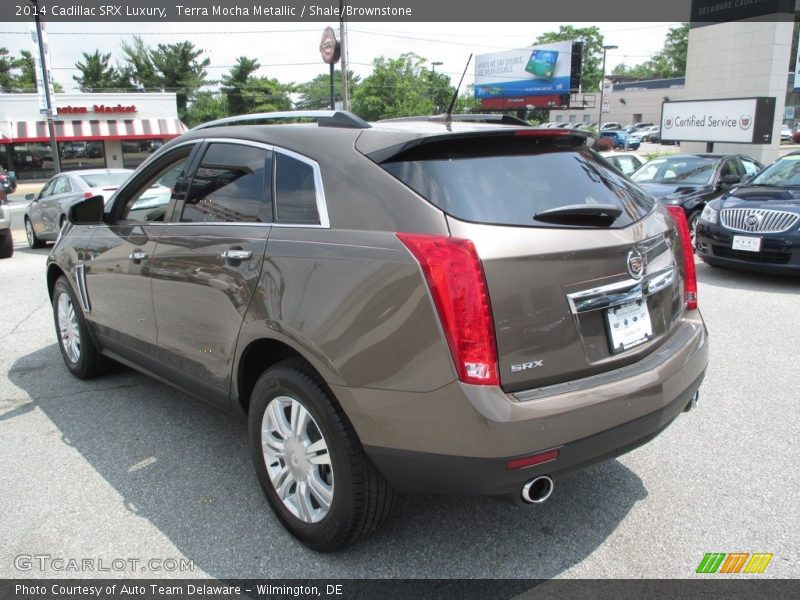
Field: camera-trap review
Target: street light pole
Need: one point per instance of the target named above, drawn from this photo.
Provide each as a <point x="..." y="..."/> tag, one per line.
<point x="46" y="83"/>
<point x="602" y="83"/>
<point x="434" y="64"/>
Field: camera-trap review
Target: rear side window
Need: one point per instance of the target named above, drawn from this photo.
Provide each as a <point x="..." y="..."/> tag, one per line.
<point x="232" y="184"/>
<point x="295" y="191"/>
<point x="507" y="182"/>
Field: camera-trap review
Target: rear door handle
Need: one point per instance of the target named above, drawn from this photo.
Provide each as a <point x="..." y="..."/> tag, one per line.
<point x="234" y="255"/>
<point x="138" y="256"/>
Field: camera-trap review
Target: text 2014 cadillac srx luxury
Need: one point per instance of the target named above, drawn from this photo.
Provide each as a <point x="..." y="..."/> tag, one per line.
<point x="443" y="305"/>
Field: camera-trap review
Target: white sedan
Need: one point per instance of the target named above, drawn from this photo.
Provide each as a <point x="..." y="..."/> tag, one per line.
<point x="48" y="209"/>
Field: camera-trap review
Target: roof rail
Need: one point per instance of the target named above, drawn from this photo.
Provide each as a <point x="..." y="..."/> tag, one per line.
<point x="324" y="118"/>
<point x="465" y="118"/>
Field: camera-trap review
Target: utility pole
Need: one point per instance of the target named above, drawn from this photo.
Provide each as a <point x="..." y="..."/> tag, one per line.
<point x="46" y="84"/>
<point x="343" y="42"/>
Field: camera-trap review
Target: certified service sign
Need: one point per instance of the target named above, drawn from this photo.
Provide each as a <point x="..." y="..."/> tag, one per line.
<point x="743" y="120"/>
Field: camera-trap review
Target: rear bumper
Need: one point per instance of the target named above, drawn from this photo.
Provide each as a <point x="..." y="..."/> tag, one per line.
<point x="459" y="438"/>
<point x="438" y="474"/>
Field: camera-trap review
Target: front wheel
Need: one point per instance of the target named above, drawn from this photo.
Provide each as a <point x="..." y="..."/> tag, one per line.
<point x="6" y="244"/>
<point x="310" y="463"/>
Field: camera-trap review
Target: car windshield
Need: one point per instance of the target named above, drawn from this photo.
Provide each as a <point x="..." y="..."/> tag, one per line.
<point x="687" y="170"/>
<point x="784" y="172"/>
<point x="101" y="180"/>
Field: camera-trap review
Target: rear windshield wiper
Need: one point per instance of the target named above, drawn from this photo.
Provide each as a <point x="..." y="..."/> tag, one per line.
<point x="580" y="214"/>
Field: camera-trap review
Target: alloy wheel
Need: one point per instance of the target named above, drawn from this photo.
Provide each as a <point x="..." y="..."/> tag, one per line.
<point x="297" y="459"/>
<point x="68" y="328"/>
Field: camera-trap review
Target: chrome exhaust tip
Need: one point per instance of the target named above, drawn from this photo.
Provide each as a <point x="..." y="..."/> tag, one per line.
<point x="538" y="490"/>
<point x="693" y="402"/>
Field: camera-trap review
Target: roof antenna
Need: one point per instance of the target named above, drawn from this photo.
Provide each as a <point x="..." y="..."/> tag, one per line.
<point x="455" y="94"/>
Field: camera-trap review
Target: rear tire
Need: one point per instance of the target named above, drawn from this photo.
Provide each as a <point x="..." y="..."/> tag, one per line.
<point x="310" y="463"/>
<point x="33" y="240"/>
<point x="6" y="244"/>
<point x="74" y="340"/>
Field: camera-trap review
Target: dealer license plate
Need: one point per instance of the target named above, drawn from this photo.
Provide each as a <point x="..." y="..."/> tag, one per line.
<point x="628" y="325"/>
<point x="747" y="243"/>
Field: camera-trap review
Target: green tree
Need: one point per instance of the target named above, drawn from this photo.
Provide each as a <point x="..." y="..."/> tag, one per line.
<point x="96" y="75"/>
<point x="138" y="65"/>
<point x="236" y="84"/>
<point x="667" y="63"/>
<point x="206" y="106"/>
<point x="25" y="80"/>
<point x="169" y="67"/>
<point x="592" y="51"/>
<point x="316" y="94"/>
<point x="400" y="87"/>
<point x="178" y="69"/>
<point x="7" y="65"/>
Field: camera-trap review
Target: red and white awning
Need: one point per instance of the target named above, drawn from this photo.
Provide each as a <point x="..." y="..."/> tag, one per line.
<point x="105" y="129"/>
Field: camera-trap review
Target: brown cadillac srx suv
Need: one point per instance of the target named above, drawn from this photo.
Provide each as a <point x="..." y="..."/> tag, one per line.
<point x="441" y="305"/>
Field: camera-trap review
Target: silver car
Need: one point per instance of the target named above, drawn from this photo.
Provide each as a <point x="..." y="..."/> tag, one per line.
<point x="48" y="209"/>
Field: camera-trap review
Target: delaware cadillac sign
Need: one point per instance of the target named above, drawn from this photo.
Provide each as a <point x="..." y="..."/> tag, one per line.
<point x="741" y="120"/>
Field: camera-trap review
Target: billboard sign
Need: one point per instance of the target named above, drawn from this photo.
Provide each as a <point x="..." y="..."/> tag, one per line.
<point x="739" y="120"/>
<point x="537" y="71"/>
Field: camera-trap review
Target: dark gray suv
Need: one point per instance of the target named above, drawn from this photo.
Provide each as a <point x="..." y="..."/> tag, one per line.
<point x="441" y="305"/>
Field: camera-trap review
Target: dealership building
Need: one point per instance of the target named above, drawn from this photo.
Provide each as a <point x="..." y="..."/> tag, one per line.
<point x="92" y="131"/>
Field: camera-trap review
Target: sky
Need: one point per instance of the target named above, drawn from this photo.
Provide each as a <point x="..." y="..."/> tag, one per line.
<point x="289" y="52"/>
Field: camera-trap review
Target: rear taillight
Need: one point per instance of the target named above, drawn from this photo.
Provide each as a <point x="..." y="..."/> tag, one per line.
<point x="87" y="194"/>
<point x="690" y="274"/>
<point x="455" y="278"/>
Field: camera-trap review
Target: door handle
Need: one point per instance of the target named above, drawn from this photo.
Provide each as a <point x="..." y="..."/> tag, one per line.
<point x="237" y="254"/>
<point x="138" y="256"/>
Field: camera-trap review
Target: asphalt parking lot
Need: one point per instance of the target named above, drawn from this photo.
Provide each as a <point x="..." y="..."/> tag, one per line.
<point x="124" y="467"/>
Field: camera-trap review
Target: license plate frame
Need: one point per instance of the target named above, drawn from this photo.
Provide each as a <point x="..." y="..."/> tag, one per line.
<point x="746" y="243"/>
<point x="628" y="325"/>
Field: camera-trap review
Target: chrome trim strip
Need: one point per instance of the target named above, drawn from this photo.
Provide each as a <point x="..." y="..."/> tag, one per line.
<point x="83" y="294"/>
<point x="621" y="292"/>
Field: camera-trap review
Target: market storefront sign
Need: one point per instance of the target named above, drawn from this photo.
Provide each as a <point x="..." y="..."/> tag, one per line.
<point x="97" y="108"/>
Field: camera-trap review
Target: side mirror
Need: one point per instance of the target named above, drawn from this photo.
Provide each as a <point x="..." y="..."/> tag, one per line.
<point x="87" y="212"/>
<point x="729" y="179"/>
<point x="30" y="197"/>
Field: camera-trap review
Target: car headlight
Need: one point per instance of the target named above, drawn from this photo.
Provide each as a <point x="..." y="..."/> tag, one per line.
<point x="709" y="214"/>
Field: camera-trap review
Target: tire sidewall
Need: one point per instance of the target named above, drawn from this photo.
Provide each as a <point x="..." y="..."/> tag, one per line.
<point x="286" y="381"/>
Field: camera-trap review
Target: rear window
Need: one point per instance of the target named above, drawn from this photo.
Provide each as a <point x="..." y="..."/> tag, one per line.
<point x="100" y="180"/>
<point x="507" y="182"/>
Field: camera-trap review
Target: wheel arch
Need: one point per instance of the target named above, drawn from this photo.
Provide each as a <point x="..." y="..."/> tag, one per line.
<point x="53" y="273"/>
<point x="257" y="357"/>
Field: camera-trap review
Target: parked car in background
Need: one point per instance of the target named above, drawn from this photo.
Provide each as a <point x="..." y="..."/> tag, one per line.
<point x="756" y="226"/>
<point x="6" y="241"/>
<point x="347" y="289"/>
<point x="610" y="125"/>
<point x="621" y="139"/>
<point x="692" y="180"/>
<point x="786" y="133"/>
<point x="8" y="181"/>
<point x="626" y="162"/>
<point x="643" y="134"/>
<point x="48" y="209"/>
